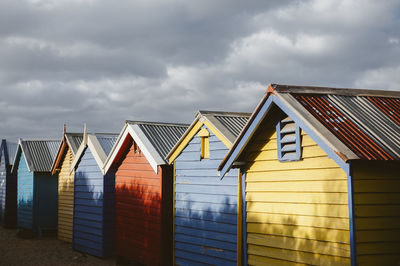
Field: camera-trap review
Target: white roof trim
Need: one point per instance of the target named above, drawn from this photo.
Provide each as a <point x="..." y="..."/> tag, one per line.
<point x="96" y="149"/>
<point x="151" y="154"/>
<point x="16" y="157"/>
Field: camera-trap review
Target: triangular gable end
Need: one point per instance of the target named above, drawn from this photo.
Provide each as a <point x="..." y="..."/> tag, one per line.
<point x="335" y="149"/>
<point x="18" y="153"/>
<point x="194" y="128"/>
<point x="95" y="147"/>
<point x="143" y="143"/>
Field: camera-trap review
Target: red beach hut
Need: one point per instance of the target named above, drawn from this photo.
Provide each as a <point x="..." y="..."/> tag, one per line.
<point x="143" y="191"/>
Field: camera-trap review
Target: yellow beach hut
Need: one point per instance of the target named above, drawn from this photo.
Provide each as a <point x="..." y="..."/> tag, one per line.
<point x="62" y="165"/>
<point x="321" y="177"/>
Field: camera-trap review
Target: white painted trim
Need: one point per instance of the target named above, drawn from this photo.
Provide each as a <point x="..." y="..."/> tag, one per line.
<point x="97" y="151"/>
<point x="150" y="153"/>
<point x="114" y="151"/>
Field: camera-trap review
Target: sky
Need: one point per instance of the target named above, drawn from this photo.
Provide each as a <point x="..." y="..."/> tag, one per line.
<point x="102" y="62"/>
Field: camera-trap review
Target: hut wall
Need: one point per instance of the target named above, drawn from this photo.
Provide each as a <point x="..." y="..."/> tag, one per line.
<point x="376" y="188"/>
<point x="45" y="198"/>
<point x="205" y="221"/>
<point x="138" y="204"/>
<point x="297" y="212"/>
<point x="93" y="208"/>
<point x="66" y="198"/>
<point x="25" y="191"/>
<point x="3" y="188"/>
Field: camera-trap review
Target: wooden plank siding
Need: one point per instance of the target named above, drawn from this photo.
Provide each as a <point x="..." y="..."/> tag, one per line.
<point x="8" y="195"/>
<point x="25" y="192"/>
<point x="93" y="208"/>
<point x="297" y="212"/>
<point x="138" y="208"/>
<point x="377" y="211"/>
<point x="205" y="225"/>
<point x="66" y="197"/>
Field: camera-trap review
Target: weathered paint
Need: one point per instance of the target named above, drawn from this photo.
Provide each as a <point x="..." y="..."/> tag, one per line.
<point x="297" y="212"/>
<point x="36" y="199"/>
<point x="205" y="221"/>
<point x="8" y="193"/>
<point x="66" y="197"/>
<point x="142" y="208"/>
<point x="93" y="227"/>
<point x="377" y="212"/>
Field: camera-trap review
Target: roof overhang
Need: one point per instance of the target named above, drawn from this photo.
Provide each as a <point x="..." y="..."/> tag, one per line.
<point x="139" y="137"/>
<point x="22" y="149"/>
<point x="90" y="141"/>
<point x="212" y="124"/>
<point x="335" y="149"/>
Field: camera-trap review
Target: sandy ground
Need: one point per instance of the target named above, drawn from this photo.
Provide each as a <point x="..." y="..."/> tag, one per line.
<point x="15" y="250"/>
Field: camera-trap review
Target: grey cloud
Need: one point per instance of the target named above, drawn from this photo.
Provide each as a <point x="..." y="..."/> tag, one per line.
<point x="102" y="62"/>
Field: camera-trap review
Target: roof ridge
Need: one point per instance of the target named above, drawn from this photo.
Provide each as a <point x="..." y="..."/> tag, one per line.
<point x="33" y="139"/>
<point x="138" y="122"/>
<point x="221" y="113"/>
<point x="334" y="90"/>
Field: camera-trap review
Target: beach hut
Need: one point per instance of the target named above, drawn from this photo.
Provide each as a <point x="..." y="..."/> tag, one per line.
<point x="62" y="166"/>
<point x="143" y="191"/>
<point x="321" y="177"/>
<point x="93" y="219"/>
<point x="206" y="207"/>
<point x="36" y="186"/>
<point x="8" y="185"/>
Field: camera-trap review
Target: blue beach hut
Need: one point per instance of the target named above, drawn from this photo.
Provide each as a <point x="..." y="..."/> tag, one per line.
<point x="93" y="224"/>
<point x="206" y="208"/>
<point x="8" y="184"/>
<point x="36" y="186"/>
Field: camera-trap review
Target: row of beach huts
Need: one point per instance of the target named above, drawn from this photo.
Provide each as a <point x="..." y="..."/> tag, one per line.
<point x="311" y="177"/>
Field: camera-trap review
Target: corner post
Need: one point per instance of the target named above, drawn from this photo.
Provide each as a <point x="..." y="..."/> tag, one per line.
<point x="350" y="191"/>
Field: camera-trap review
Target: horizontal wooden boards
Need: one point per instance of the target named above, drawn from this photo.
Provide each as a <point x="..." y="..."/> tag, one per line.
<point x="297" y="211"/>
<point x="205" y="223"/>
<point x="138" y="204"/>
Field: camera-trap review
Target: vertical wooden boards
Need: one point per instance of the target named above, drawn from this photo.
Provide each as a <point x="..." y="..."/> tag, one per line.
<point x="377" y="212"/>
<point x="92" y="204"/>
<point x="297" y="212"/>
<point x="65" y="198"/>
<point x="138" y="205"/>
<point x="205" y="226"/>
<point x="25" y="194"/>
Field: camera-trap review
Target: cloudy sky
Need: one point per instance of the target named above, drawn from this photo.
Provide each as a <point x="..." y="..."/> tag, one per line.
<point x="102" y="62"/>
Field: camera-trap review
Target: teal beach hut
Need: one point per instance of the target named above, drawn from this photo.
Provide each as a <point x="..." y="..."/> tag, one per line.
<point x="36" y="186"/>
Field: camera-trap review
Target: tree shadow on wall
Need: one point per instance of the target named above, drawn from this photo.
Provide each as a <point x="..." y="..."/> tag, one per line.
<point x="295" y="214"/>
<point x="139" y="224"/>
<point x="205" y="232"/>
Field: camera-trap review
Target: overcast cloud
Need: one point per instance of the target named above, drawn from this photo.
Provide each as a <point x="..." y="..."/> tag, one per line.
<point x="102" y="62"/>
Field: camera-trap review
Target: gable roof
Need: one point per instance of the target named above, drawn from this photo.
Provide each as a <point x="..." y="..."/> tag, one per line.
<point x="100" y="144"/>
<point x="39" y="153"/>
<point x="155" y="140"/>
<point x="227" y="125"/>
<point x="71" y="140"/>
<point x="7" y="151"/>
<point x="349" y="124"/>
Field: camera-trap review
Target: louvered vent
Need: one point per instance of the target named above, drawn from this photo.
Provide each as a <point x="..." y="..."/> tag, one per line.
<point x="288" y="140"/>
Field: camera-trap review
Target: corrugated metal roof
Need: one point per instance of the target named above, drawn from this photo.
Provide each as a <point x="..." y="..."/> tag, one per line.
<point x="106" y="141"/>
<point x="163" y="136"/>
<point x="40" y="154"/>
<point x="230" y="124"/>
<point x="11" y="148"/>
<point x="367" y="125"/>
<point x="74" y="140"/>
<point x="233" y="123"/>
